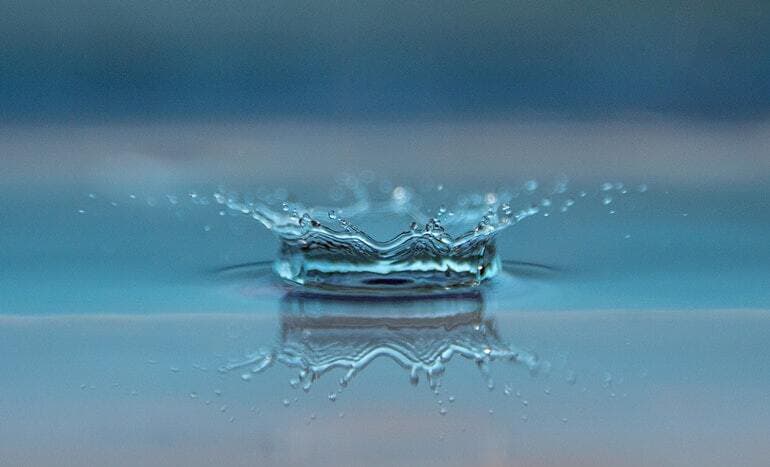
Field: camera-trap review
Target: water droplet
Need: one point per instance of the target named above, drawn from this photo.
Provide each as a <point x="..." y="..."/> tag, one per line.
<point x="607" y="200"/>
<point x="607" y="380"/>
<point x="399" y="194"/>
<point x="531" y="185"/>
<point x="286" y="402"/>
<point x="442" y="410"/>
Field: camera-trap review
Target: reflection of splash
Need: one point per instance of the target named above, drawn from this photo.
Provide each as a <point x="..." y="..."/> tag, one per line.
<point x="321" y="333"/>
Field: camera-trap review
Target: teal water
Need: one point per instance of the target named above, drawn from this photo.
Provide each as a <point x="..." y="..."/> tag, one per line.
<point x="141" y="326"/>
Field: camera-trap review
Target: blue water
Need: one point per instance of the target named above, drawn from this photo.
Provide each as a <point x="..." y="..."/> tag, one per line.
<point x="135" y="324"/>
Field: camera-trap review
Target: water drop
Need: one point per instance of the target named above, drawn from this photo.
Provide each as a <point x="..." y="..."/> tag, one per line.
<point x="399" y="194"/>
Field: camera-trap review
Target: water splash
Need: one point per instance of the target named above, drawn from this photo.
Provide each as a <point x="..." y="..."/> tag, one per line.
<point x="444" y="242"/>
<point x="320" y="333"/>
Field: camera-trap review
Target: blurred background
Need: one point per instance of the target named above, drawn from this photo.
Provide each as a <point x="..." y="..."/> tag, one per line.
<point x="675" y="89"/>
<point x="86" y="60"/>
